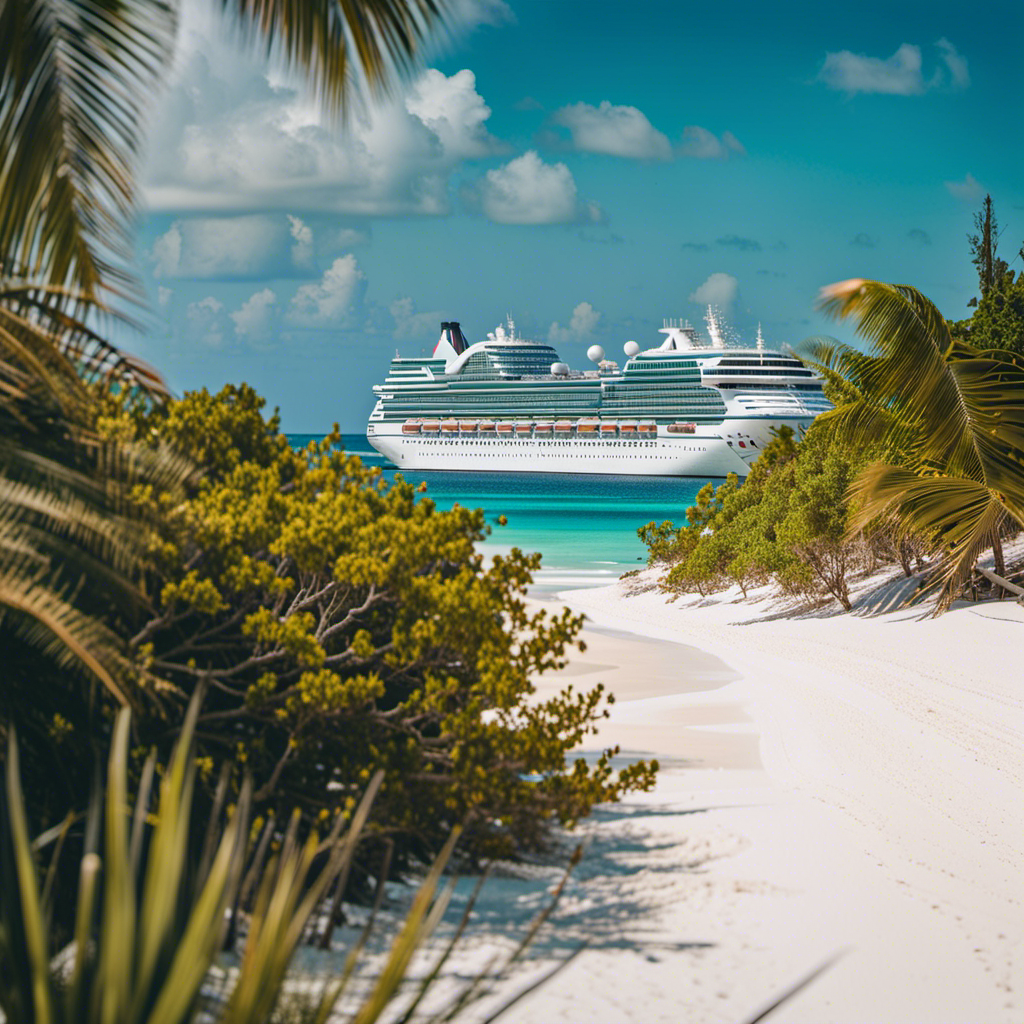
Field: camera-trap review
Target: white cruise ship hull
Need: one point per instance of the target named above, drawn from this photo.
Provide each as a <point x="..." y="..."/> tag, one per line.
<point x="705" y="455"/>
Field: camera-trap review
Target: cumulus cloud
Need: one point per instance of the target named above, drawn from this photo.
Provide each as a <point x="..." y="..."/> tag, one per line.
<point x="255" y="319"/>
<point x="700" y="144"/>
<point x="331" y="301"/>
<point x="414" y="326"/>
<point x="718" y="290"/>
<point x="919" y="236"/>
<point x="528" y="191"/>
<point x="899" y="75"/>
<point x="231" y="133"/>
<point x="582" y="324"/>
<point x="206" y="321"/>
<point x="455" y="112"/>
<point x="863" y="240"/>
<point x="970" y="189"/>
<point x="738" y="242"/>
<point x="163" y="296"/>
<point x="234" y="248"/>
<point x="615" y="130"/>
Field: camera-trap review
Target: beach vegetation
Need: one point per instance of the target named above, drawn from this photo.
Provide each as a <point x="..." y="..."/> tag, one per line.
<point x="159" y="935"/>
<point x="920" y="462"/>
<point x="787" y="523"/>
<point x="950" y="421"/>
<point x="341" y="625"/>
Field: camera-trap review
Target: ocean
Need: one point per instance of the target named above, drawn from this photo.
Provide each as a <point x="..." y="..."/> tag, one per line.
<point x="584" y="526"/>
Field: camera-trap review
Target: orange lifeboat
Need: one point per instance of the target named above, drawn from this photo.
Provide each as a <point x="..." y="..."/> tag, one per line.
<point x="449" y="426"/>
<point x="411" y="427"/>
<point x="543" y="428"/>
<point x="431" y="426"/>
<point x="504" y="428"/>
<point x="627" y="428"/>
<point x="609" y="429"/>
<point x="468" y="426"/>
<point x="487" y="425"/>
<point x="524" y="428"/>
<point x="563" y="426"/>
<point x="682" y="428"/>
<point x="647" y="429"/>
<point x="586" y="427"/>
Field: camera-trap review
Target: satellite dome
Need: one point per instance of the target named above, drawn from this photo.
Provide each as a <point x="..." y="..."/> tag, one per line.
<point x="559" y="369"/>
<point x="595" y="353"/>
<point x="631" y="348"/>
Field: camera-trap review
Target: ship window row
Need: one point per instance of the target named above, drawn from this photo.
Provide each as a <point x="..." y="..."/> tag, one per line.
<point x="752" y="361"/>
<point x="662" y="364"/>
<point x="729" y="386"/>
<point x="715" y="371"/>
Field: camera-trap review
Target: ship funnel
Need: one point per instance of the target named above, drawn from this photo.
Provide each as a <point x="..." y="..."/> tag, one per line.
<point x="452" y="333"/>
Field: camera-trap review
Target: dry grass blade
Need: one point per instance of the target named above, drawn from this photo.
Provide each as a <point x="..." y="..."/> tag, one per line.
<point x="484" y="982"/>
<point x="794" y="990"/>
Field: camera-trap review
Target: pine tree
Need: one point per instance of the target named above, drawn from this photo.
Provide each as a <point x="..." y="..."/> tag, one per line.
<point x="983" y="248"/>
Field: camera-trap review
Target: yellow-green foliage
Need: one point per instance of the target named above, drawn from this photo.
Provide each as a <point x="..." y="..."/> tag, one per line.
<point x="345" y="625"/>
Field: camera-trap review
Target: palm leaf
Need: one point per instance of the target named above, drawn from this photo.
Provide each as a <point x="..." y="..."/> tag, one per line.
<point x="956" y="416"/>
<point x="963" y="514"/>
<point x="75" y="75"/>
<point x="340" y="43"/>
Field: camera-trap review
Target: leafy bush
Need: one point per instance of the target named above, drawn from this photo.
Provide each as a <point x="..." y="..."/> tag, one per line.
<point x="342" y="626"/>
<point x="787" y="523"/>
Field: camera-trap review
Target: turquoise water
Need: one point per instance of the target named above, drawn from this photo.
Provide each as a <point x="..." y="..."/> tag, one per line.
<point x="584" y="526"/>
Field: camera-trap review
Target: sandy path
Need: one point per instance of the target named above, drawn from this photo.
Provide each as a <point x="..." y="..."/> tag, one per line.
<point x="887" y="818"/>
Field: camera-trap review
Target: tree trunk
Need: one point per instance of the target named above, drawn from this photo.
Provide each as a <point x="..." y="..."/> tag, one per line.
<point x="903" y="548"/>
<point x="998" y="566"/>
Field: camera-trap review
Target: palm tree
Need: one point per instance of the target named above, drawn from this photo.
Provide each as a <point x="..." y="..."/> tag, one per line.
<point x="73" y="74"/>
<point x="951" y="419"/>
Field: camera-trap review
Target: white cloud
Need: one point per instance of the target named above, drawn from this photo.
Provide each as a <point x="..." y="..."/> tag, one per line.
<point x="255" y="319"/>
<point x="455" y="112"/>
<point x="615" y="130"/>
<point x="700" y="144"/>
<point x="348" y="238"/>
<point x="956" y="64"/>
<point x="206" y="321"/>
<point x="412" y="325"/>
<point x="232" y="133"/>
<point x="898" y="75"/>
<point x="166" y="253"/>
<point x="331" y="300"/>
<point x="302" y="250"/>
<point x="163" y="296"/>
<point x="234" y="248"/>
<point x="970" y="189"/>
<point x="718" y="290"/>
<point x="528" y="191"/>
<point x="582" y="325"/>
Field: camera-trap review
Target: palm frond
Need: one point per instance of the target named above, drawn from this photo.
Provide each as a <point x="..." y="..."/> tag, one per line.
<point x="75" y="75"/>
<point x="338" y="42"/>
<point x="963" y="515"/>
<point x="922" y="372"/>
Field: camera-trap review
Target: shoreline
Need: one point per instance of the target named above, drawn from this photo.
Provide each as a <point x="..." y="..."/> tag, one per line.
<point x="853" y="784"/>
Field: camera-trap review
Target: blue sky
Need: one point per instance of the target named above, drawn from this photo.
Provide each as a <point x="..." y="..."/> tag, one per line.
<point x="589" y="168"/>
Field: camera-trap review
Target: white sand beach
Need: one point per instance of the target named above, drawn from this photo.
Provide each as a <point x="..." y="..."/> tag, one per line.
<point x="832" y="784"/>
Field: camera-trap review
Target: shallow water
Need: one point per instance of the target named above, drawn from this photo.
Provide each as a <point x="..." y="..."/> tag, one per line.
<point x="584" y="526"/>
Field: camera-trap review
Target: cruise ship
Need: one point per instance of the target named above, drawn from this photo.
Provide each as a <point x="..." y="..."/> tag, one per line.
<point x="691" y="406"/>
